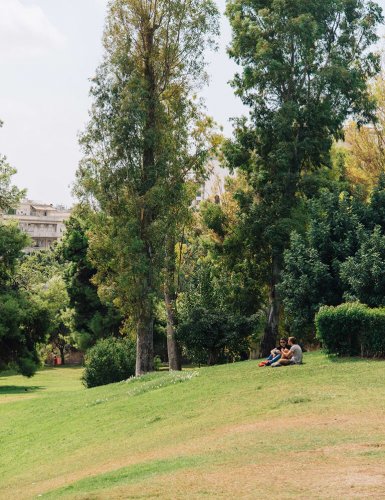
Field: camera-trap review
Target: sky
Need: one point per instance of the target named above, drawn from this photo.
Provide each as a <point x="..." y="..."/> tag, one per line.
<point x="49" y="49"/>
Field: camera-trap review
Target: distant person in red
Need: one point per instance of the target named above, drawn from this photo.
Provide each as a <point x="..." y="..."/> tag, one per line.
<point x="276" y="353"/>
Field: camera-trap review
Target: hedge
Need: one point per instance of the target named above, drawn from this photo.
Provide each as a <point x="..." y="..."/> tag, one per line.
<point x="352" y="329"/>
<point x="109" y="360"/>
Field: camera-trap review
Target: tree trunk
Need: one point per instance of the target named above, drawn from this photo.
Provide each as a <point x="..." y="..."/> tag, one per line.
<point x="145" y="342"/>
<point x="61" y="349"/>
<point x="174" y="356"/>
<point x="272" y="331"/>
<point x="170" y="296"/>
<point x="212" y="357"/>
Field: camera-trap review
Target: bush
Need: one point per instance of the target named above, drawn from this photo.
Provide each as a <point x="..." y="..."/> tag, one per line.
<point x="352" y="329"/>
<point x="27" y="366"/>
<point x="110" y="360"/>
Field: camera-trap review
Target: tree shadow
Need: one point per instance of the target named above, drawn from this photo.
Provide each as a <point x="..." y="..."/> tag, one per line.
<point x="351" y="359"/>
<point x="19" y="389"/>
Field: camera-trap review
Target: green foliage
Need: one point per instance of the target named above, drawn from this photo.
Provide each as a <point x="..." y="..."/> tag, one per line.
<point x="311" y="275"/>
<point x="304" y="70"/>
<point x="12" y="242"/>
<point x="214" y="218"/>
<point x="145" y="137"/>
<point x="211" y="329"/>
<point x="351" y="329"/>
<point x="36" y="269"/>
<point x="306" y="285"/>
<point x="27" y="366"/>
<point x="301" y="79"/>
<point x="24" y="321"/>
<point x="340" y="257"/>
<point x="92" y="319"/>
<point x="10" y="195"/>
<point x="23" y="324"/>
<point x="109" y="360"/>
<point x="363" y="274"/>
<point x="40" y="276"/>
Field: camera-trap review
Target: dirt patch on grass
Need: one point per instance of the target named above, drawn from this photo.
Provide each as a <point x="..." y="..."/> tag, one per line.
<point x="257" y="481"/>
<point x="13" y="399"/>
<point x="240" y="464"/>
<point x="310" y="478"/>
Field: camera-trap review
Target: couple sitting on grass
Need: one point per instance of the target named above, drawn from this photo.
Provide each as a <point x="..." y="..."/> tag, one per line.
<point x="287" y="353"/>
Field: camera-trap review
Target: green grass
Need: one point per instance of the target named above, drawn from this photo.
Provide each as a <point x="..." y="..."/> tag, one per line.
<point x="211" y="432"/>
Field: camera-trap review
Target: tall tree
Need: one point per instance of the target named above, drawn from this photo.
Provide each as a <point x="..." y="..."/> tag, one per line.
<point x="305" y="69"/>
<point x="136" y="142"/>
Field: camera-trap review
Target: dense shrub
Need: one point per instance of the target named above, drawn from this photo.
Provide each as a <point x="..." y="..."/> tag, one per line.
<point x="352" y="329"/>
<point x="110" y="360"/>
<point x="211" y="330"/>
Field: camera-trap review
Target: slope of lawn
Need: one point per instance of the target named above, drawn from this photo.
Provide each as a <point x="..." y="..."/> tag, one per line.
<point x="314" y="431"/>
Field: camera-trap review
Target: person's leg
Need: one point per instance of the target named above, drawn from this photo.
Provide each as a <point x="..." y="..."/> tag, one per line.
<point x="267" y="361"/>
<point x="274" y="359"/>
<point x="285" y="362"/>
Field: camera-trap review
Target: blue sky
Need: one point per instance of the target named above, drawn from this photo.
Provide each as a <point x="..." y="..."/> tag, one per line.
<point x="48" y="51"/>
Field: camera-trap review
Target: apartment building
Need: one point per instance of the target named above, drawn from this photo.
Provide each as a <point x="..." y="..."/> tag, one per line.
<point x="43" y="223"/>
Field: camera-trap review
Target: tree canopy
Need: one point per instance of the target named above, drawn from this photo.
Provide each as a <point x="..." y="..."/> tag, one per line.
<point x="305" y="68"/>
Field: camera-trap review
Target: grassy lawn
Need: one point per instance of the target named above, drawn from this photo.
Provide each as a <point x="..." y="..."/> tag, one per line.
<point x="314" y="431"/>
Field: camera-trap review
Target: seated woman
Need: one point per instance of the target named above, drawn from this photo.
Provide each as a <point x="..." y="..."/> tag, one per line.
<point x="293" y="356"/>
<point x="276" y="353"/>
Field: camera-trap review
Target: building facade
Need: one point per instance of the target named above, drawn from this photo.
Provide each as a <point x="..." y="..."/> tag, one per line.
<point x="214" y="185"/>
<point x="43" y="223"/>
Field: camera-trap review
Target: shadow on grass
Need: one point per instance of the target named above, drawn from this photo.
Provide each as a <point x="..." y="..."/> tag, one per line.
<point x="19" y="389"/>
<point x="352" y="359"/>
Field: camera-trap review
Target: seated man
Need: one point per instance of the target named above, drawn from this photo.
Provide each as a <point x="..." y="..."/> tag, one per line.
<point x="293" y="356"/>
<point x="275" y="354"/>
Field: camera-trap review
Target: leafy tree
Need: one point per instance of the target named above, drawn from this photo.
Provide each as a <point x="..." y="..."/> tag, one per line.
<point x="363" y="274"/>
<point x="311" y="273"/>
<point x="220" y="299"/>
<point x="305" y="70"/>
<point x="365" y="151"/>
<point x="210" y="328"/>
<point x="180" y="217"/>
<point x="36" y="269"/>
<point x="376" y="214"/>
<point x="306" y="285"/>
<point x="222" y="238"/>
<point x="137" y="140"/>
<point x="338" y="258"/>
<point x="54" y="298"/>
<point x="40" y="276"/>
<point x="91" y="320"/>
<point x="23" y="321"/>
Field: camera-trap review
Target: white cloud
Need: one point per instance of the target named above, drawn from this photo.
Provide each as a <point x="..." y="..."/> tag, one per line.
<point x="26" y="31"/>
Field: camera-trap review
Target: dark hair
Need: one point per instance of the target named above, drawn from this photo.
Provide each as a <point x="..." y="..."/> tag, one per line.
<point x="293" y="340"/>
<point x="284" y="339"/>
